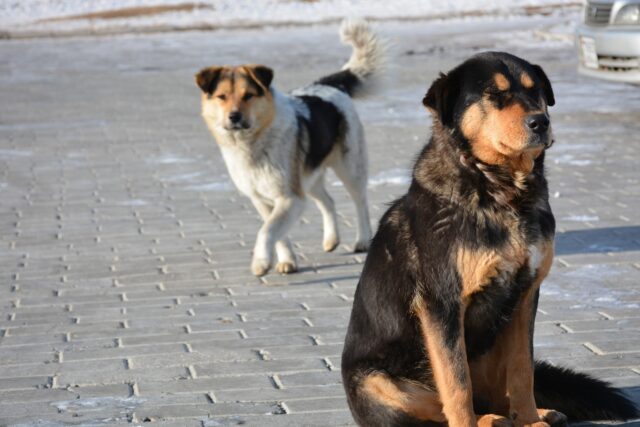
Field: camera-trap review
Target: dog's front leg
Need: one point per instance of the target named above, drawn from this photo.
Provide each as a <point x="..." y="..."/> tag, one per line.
<point x="286" y="258"/>
<point x="285" y="212"/>
<point x="518" y="342"/>
<point x="443" y="334"/>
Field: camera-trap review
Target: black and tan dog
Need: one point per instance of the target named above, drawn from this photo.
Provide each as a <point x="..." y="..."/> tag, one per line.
<point x="443" y="316"/>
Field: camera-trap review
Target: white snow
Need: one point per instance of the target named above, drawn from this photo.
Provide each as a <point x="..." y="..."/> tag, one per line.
<point x="98" y="402"/>
<point x="168" y="159"/>
<point x="568" y="159"/>
<point x="581" y="218"/>
<point x="133" y="202"/>
<point x="33" y="14"/>
<point x="389" y="177"/>
<point x="7" y="153"/>
<point x="212" y="186"/>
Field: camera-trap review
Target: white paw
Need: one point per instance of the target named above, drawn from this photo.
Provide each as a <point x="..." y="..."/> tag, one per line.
<point x="260" y="266"/>
<point x="286" y="267"/>
<point x="330" y="243"/>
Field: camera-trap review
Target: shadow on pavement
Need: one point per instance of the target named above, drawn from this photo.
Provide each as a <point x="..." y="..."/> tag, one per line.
<point x="598" y="240"/>
<point x="634" y="394"/>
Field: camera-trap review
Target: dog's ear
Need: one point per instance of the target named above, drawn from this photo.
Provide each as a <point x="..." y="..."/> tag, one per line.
<point x="261" y="74"/>
<point x="441" y="98"/>
<point x="546" y="85"/>
<point x="207" y="79"/>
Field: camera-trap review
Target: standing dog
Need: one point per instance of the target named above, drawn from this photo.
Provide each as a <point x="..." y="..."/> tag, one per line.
<point x="277" y="146"/>
<point x="442" y="322"/>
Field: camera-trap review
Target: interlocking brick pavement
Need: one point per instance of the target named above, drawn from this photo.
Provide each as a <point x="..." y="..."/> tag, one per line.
<point x="125" y="284"/>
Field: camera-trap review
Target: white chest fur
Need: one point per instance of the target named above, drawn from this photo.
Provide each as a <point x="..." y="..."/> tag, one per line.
<point x="535" y="258"/>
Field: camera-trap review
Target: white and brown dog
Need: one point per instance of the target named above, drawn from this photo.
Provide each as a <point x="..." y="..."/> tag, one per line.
<point x="277" y="146"/>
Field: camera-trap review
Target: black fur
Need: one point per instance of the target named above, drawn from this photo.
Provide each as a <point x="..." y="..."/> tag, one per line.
<point x="455" y="200"/>
<point x="580" y="396"/>
<point x="324" y="128"/>
<point x="344" y="81"/>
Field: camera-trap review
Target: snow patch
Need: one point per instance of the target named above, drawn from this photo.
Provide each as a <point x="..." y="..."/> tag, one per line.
<point x="6" y="153"/>
<point x="168" y="159"/>
<point x="133" y="202"/>
<point x="185" y="177"/>
<point x="211" y="186"/>
<point x="568" y="159"/>
<point x="125" y="403"/>
<point x="226" y="13"/>
<point x="389" y="177"/>
<point x="581" y="218"/>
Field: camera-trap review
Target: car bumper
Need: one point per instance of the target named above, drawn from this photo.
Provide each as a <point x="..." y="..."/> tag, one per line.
<point x="609" y="53"/>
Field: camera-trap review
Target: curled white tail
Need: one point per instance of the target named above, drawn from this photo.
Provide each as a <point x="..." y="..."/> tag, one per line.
<point x="367" y="58"/>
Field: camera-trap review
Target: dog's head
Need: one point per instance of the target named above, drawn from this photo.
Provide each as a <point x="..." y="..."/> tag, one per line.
<point x="496" y="106"/>
<point x="237" y="99"/>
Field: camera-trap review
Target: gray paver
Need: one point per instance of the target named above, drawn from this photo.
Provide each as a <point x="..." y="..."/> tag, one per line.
<point x="125" y="287"/>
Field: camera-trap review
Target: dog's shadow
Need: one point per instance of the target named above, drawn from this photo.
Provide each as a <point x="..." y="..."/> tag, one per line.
<point x="598" y="240"/>
<point x="634" y="394"/>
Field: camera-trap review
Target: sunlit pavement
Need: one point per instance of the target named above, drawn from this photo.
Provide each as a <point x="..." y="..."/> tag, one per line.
<point x="125" y="283"/>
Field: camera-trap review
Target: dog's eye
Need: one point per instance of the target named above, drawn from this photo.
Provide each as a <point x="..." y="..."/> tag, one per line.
<point x="247" y="96"/>
<point x="222" y="97"/>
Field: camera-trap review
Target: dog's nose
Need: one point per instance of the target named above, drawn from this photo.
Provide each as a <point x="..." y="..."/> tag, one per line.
<point x="235" y="117"/>
<point x="538" y="123"/>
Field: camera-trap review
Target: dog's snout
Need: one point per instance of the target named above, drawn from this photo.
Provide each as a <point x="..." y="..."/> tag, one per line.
<point x="538" y="123"/>
<point x="235" y="117"/>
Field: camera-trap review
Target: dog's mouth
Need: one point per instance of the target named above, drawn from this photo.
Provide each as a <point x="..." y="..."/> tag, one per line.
<point x="237" y="126"/>
<point x="540" y="141"/>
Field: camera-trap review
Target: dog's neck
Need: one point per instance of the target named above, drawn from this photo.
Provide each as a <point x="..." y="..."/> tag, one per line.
<point x="472" y="182"/>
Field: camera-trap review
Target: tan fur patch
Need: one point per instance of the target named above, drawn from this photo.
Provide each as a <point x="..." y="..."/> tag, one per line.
<point x="501" y="81"/>
<point x="478" y="267"/>
<point x="405" y="396"/>
<point x="505" y="374"/>
<point x="526" y="80"/>
<point x="489" y="376"/>
<point x="492" y="420"/>
<point x="499" y="136"/>
<point x="456" y="397"/>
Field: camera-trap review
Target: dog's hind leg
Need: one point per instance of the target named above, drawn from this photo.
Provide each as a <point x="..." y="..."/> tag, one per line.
<point x="327" y="207"/>
<point x="351" y="168"/>
<point x="286" y="257"/>
<point x="376" y="400"/>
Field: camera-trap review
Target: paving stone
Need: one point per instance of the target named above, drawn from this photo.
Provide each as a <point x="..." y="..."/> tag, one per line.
<point x="126" y="293"/>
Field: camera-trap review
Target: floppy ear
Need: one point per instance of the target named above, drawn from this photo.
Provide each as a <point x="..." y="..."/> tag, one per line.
<point x="207" y="79"/>
<point x="546" y="85"/>
<point x="263" y="75"/>
<point x="441" y="98"/>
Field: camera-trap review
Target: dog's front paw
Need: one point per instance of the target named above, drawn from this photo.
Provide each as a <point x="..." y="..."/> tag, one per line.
<point x="260" y="266"/>
<point x="553" y="418"/>
<point x="330" y="243"/>
<point x="286" y="267"/>
<point x="491" y="420"/>
<point x="361" y="246"/>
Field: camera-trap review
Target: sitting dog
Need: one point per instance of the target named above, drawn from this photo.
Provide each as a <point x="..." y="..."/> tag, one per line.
<point x="443" y="316"/>
<point x="278" y="146"/>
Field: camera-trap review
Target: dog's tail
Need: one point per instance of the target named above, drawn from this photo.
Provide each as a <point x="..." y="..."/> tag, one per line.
<point x="580" y="396"/>
<point x="360" y="74"/>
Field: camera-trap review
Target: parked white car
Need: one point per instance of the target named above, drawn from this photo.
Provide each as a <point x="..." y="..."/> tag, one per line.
<point x="608" y="40"/>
